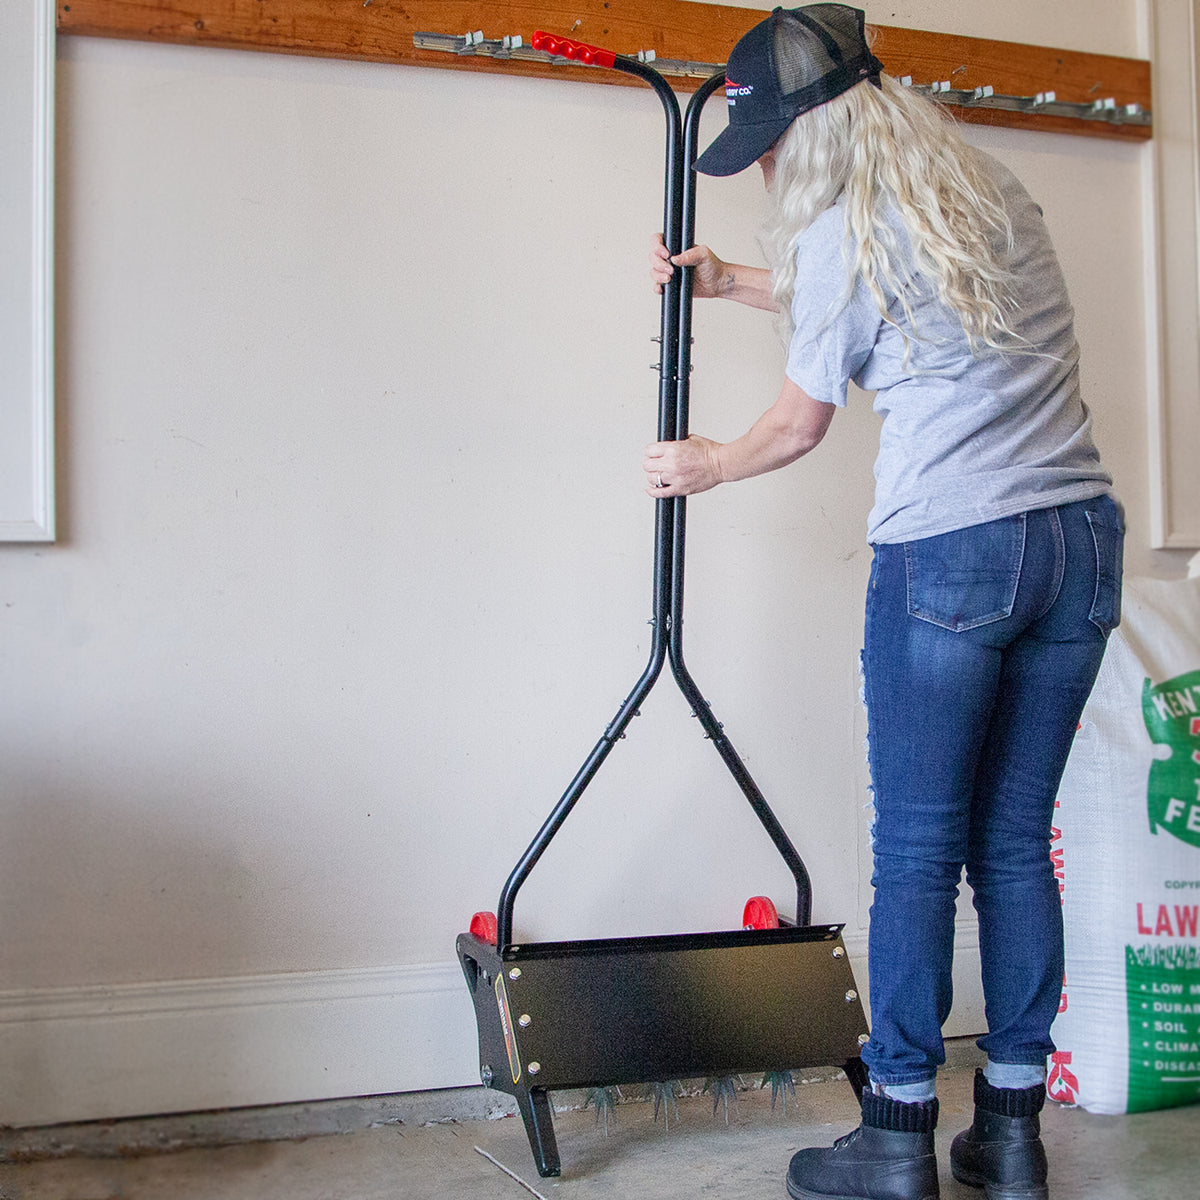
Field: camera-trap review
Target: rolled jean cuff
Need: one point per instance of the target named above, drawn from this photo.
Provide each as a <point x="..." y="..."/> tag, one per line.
<point x="1014" y="1075"/>
<point x="907" y="1093"/>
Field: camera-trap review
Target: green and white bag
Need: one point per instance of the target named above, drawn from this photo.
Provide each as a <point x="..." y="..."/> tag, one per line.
<point x="1126" y="847"/>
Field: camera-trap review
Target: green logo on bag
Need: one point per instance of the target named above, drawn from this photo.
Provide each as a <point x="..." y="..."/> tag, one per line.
<point x="1172" y="714"/>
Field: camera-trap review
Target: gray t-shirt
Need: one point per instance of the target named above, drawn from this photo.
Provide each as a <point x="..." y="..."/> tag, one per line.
<point x="965" y="439"/>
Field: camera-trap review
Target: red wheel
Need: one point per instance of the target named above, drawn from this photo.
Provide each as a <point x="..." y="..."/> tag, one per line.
<point x="483" y="926"/>
<point x="760" y="913"/>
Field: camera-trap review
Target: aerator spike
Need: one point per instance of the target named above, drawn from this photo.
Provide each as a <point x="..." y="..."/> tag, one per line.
<point x="664" y="1095"/>
<point x="724" y="1088"/>
<point x="605" y="1099"/>
<point x="782" y="1084"/>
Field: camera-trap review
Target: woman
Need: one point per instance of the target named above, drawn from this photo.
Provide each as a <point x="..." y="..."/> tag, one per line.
<point x="920" y="269"/>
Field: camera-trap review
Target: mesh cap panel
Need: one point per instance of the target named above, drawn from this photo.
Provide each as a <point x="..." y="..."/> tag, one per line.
<point x="802" y="61"/>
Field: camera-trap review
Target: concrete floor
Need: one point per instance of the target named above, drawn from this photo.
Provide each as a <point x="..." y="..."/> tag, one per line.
<point x="1153" y="1156"/>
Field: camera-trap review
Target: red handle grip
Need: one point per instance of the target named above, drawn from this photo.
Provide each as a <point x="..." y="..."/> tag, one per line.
<point x="579" y="51"/>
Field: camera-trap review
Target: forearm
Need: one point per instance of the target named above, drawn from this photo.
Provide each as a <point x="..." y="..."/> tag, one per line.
<point x="789" y="429"/>
<point x="747" y="285"/>
<point x="712" y="277"/>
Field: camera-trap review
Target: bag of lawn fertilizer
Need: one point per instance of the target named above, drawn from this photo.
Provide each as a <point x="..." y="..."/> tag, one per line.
<point x="1126" y="847"/>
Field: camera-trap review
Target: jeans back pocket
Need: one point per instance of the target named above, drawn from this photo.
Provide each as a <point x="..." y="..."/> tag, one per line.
<point x="968" y="577"/>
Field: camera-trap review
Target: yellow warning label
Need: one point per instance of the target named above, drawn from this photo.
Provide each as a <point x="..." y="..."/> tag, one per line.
<point x="510" y="1039"/>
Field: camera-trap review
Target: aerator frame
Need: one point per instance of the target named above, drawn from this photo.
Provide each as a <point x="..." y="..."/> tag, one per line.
<point x="581" y="1014"/>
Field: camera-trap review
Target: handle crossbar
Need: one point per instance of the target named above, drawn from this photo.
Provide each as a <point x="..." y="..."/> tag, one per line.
<point x="592" y="56"/>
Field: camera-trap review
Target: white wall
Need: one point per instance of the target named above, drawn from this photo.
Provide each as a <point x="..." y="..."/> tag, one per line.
<point x="353" y="562"/>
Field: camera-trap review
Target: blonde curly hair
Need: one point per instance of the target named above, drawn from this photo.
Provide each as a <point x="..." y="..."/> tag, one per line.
<point x="888" y="149"/>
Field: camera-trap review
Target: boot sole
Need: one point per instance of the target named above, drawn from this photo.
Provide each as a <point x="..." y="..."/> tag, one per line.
<point x="1000" y="1191"/>
<point x="799" y="1193"/>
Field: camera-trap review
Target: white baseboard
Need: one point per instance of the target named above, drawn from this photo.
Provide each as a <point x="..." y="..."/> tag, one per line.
<point x="96" y="1053"/>
<point x="79" y="1054"/>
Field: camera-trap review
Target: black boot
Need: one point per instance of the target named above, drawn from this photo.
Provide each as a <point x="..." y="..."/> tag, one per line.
<point x="1002" y="1152"/>
<point x="888" y="1157"/>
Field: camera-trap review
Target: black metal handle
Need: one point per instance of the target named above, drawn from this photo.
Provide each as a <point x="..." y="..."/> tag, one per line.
<point x="670" y="514"/>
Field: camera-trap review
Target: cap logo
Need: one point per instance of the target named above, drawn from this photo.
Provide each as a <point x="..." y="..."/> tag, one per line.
<point x="733" y="90"/>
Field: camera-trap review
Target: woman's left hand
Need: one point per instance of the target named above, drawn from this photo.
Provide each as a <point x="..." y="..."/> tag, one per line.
<point x="681" y="468"/>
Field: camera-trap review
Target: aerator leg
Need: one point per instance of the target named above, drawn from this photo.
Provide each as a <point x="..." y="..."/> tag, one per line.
<point x="539" y="1126"/>
<point x="856" y="1072"/>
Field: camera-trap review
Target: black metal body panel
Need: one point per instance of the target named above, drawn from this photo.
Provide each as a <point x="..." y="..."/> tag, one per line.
<point x="591" y="1014"/>
<point x="623" y="1010"/>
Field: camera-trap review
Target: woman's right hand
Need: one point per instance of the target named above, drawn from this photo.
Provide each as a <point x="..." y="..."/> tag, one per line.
<point x="709" y="279"/>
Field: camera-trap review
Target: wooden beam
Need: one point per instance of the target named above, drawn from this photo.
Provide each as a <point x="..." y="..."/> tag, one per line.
<point x="382" y="31"/>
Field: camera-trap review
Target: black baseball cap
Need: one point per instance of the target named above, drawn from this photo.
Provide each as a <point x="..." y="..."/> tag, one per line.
<point x="795" y="60"/>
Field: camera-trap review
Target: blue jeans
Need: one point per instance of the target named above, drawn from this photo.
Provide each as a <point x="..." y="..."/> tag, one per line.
<point x="981" y="648"/>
